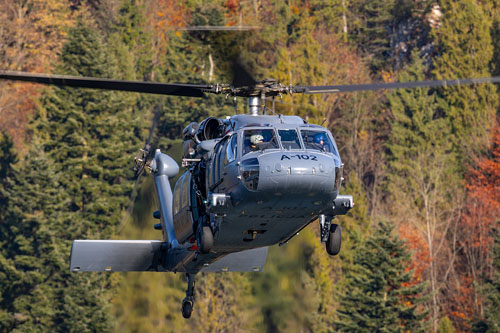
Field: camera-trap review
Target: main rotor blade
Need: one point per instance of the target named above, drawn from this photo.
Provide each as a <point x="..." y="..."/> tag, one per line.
<point x="220" y="28"/>
<point x="393" y="85"/>
<point x="175" y="89"/>
<point x="241" y="77"/>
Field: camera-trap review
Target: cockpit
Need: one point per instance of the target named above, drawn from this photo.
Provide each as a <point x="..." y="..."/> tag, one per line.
<point x="317" y="140"/>
<point x="261" y="139"/>
<point x="241" y="154"/>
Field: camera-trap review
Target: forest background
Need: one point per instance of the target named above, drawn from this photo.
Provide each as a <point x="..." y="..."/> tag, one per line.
<point x="420" y="248"/>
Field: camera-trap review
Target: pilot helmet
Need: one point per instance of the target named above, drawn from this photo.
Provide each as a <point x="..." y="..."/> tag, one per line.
<point x="256" y="138"/>
<point x="319" y="137"/>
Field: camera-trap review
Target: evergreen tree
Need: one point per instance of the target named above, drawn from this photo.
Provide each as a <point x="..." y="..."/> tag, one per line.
<point x="131" y="39"/>
<point x="465" y="50"/>
<point x="298" y="61"/>
<point x="355" y="225"/>
<point x="30" y="253"/>
<point x="445" y="326"/>
<point x="7" y="159"/>
<point x="225" y="303"/>
<point x="88" y="137"/>
<point x="294" y="301"/>
<point x="372" y="30"/>
<point x="491" y="291"/>
<point x="380" y="296"/>
<point x="423" y="181"/>
<point x="319" y="277"/>
<point x="330" y="13"/>
<point x="194" y="58"/>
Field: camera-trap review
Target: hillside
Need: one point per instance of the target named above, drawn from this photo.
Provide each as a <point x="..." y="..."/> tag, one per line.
<point x="420" y="248"/>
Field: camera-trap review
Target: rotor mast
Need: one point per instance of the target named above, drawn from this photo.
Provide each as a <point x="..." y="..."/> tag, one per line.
<point x="253" y="105"/>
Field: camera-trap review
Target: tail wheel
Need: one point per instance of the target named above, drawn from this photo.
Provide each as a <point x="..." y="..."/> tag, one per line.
<point x="205" y="239"/>
<point x="334" y="240"/>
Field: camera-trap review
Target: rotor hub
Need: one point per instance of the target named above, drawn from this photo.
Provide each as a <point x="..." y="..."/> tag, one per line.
<point x="262" y="89"/>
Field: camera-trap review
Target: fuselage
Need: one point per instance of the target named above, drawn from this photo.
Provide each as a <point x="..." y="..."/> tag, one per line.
<point x="274" y="175"/>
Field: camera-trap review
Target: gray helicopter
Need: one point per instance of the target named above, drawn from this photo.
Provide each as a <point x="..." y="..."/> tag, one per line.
<point x="250" y="181"/>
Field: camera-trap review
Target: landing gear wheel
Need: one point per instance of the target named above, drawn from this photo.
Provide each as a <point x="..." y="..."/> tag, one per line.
<point x="205" y="239"/>
<point x="187" y="309"/>
<point x="188" y="301"/>
<point x="334" y="240"/>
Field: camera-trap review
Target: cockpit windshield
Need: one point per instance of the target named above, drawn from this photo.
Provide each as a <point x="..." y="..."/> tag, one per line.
<point x="289" y="139"/>
<point x="318" y="140"/>
<point x="259" y="139"/>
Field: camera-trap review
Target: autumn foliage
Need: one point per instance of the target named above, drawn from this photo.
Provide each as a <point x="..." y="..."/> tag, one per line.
<point x="31" y="35"/>
<point x="416" y="158"/>
<point x="476" y="238"/>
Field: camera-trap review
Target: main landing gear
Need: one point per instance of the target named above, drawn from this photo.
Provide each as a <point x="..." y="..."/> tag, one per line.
<point x="331" y="234"/>
<point x="188" y="301"/>
<point x="204" y="238"/>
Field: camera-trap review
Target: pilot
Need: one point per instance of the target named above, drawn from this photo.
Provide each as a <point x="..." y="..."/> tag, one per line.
<point x="255" y="140"/>
<point x="320" y="142"/>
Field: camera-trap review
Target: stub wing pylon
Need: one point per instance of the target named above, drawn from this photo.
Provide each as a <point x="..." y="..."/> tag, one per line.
<point x="150" y="255"/>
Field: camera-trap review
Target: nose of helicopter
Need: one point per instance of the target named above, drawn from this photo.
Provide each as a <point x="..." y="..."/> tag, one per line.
<point x="297" y="172"/>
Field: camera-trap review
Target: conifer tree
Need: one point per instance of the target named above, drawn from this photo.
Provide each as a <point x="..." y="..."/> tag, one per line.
<point x="88" y="137"/>
<point x="445" y="326"/>
<point x="30" y="252"/>
<point x="465" y="50"/>
<point x="319" y="278"/>
<point x="186" y="60"/>
<point x="7" y="159"/>
<point x="294" y="301"/>
<point x="130" y="31"/>
<point x="423" y="181"/>
<point x="379" y="297"/>
<point x="298" y="61"/>
<point x="355" y="225"/>
<point x="372" y="29"/>
<point x="492" y="287"/>
<point x="225" y="303"/>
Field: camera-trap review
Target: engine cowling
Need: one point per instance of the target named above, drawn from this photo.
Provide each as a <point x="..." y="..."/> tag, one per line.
<point x="210" y="128"/>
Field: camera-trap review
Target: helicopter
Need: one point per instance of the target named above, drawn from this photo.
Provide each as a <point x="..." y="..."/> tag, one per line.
<point x="250" y="181"/>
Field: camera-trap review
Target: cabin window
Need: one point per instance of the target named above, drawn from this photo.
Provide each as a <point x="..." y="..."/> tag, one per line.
<point x="215" y="164"/>
<point x="318" y="140"/>
<point x="222" y="157"/>
<point x="289" y="139"/>
<point x="231" y="150"/>
<point x="259" y="139"/>
<point x="219" y="156"/>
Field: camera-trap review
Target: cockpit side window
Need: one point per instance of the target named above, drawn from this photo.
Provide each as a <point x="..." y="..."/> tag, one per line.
<point x="231" y="150"/>
<point x="318" y="140"/>
<point x="289" y="139"/>
<point x="259" y="139"/>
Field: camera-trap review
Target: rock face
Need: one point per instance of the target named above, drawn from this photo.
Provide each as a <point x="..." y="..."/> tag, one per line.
<point x="414" y="32"/>
<point x="434" y="17"/>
